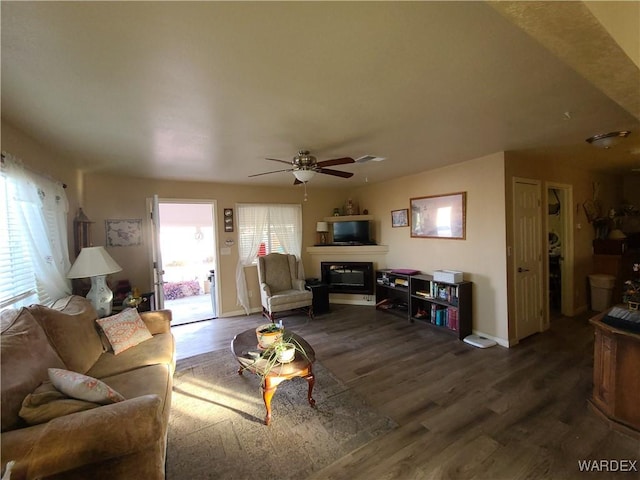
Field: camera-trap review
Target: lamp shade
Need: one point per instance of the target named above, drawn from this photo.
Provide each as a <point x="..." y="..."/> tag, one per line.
<point x="322" y="227"/>
<point x="304" y="175"/>
<point x="93" y="261"/>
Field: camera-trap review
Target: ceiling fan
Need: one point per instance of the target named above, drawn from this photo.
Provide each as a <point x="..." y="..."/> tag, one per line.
<point x="304" y="166"/>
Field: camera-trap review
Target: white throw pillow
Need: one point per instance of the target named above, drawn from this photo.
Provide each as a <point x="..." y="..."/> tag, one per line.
<point x="124" y="330"/>
<point x="82" y="387"/>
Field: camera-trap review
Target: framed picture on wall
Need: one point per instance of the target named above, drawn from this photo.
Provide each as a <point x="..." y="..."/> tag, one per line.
<point x="228" y="219"/>
<point x="400" y="218"/>
<point x="439" y="216"/>
<point x="124" y="233"/>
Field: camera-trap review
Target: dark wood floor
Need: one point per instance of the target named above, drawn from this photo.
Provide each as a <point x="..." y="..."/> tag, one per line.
<point x="463" y="412"/>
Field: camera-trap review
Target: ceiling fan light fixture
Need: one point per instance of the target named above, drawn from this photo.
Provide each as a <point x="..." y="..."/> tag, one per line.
<point x="608" y="140"/>
<point x="304" y="175"/>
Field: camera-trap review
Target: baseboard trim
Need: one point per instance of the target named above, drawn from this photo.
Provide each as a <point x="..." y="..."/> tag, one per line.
<point x="352" y="301"/>
<point x="237" y="313"/>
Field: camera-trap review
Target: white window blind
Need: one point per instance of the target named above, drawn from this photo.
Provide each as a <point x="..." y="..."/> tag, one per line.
<point x="18" y="285"/>
<point x="34" y="258"/>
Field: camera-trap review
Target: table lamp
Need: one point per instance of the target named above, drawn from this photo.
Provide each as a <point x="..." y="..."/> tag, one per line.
<point x="96" y="263"/>
<point x="322" y="228"/>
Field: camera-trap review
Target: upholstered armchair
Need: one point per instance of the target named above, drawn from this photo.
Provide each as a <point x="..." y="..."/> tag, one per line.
<point x="280" y="288"/>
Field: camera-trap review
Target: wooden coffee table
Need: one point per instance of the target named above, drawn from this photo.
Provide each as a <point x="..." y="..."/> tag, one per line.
<point x="301" y="366"/>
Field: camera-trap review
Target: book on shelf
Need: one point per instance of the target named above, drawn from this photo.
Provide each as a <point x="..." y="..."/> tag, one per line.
<point x="423" y="294"/>
<point x="452" y="318"/>
<point x="446" y="293"/>
<point x="403" y="282"/>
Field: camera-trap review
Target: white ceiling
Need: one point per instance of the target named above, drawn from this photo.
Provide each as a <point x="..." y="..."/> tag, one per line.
<point x="206" y="90"/>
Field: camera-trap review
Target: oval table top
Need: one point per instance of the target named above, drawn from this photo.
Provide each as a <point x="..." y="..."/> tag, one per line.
<point x="246" y="342"/>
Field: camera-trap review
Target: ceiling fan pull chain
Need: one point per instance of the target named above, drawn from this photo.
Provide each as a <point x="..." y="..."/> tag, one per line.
<point x="305" y="191"/>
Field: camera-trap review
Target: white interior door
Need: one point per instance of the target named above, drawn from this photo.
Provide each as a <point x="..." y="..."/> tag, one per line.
<point x="156" y="252"/>
<point x="527" y="257"/>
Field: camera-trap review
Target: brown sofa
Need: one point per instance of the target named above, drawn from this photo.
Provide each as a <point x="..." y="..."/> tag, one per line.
<point x="115" y="441"/>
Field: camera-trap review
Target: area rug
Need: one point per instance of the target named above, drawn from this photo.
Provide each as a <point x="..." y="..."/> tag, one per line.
<point x="216" y="427"/>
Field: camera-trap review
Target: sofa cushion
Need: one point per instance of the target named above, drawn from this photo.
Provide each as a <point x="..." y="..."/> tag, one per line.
<point x="124" y="330"/>
<point x="71" y="329"/>
<point x="159" y="350"/>
<point x="46" y="403"/>
<point x="153" y="379"/>
<point x="25" y="356"/>
<point x="291" y="297"/>
<point x="83" y="387"/>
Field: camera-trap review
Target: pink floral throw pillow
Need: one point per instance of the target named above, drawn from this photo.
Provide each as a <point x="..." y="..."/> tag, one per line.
<point x="82" y="387"/>
<point x="124" y="330"/>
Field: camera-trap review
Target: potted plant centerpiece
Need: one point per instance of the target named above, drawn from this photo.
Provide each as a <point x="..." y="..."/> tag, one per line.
<point x="268" y="334"/>
<point x="281" y="348"/>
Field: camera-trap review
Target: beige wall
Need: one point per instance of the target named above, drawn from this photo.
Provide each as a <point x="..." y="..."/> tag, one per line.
<point x="582" y="182"/>
<point x="119" y="197"/>
<point x="481" y="256"/>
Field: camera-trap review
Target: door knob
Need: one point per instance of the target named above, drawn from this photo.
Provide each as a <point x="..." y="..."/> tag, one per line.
<point x="520" y="269"/>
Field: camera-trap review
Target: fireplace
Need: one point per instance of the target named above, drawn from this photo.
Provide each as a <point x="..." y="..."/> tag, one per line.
<point x="348" y="277"/>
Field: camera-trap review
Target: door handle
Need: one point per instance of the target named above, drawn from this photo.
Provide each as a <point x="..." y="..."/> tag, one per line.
<point x="520" y="269"/>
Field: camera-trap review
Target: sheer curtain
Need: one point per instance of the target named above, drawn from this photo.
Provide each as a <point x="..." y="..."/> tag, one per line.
<point x="35" y="209"/>
<point x="252" y="220"/>
<point x="255" y="223"/>
<point x="286" y="221"/>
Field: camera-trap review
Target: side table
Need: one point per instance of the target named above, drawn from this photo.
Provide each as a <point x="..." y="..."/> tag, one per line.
<point x="320" y="297"/>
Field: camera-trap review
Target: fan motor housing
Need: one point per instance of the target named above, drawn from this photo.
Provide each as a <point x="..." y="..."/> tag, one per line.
<point x="303" y="160"/>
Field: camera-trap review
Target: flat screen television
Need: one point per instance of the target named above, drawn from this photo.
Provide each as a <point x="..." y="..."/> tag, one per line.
<point x="352" y="232"/>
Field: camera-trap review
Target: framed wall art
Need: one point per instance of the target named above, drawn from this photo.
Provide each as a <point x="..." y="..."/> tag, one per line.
<point x="400" y="218"/>
<point x="228" y="219"/>
<point x="124" y="233"/>
<point x="439" y="216"/>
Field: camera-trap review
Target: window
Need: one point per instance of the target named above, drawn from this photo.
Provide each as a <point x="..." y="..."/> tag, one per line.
<point x="18" y="285"/>
<point x="33" y="251"/>
<point x="273" y="228"/>
<point x="264" y="229"/>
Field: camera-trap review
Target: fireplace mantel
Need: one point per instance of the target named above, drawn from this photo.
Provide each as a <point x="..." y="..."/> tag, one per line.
<point x="349" y="250"/>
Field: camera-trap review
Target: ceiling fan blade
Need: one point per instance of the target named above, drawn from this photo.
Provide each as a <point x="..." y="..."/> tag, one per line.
<point x="278" y="160"/>
<point x="336" y="173"/>
<point x="335" y="161"/>
<point x="275" y="171"/>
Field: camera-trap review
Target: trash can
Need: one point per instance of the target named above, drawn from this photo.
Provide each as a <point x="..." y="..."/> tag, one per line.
<point x="601" y="291"/>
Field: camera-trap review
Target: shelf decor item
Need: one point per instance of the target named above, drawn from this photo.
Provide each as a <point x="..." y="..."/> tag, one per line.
<point x="400" y="218"/>
<point x="439" y="216"/>
<point x="322" y="228"/>
<point x="447" y="276"/>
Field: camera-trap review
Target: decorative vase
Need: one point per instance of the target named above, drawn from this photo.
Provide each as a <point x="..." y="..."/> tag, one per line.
<point x="266" y="335"/>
